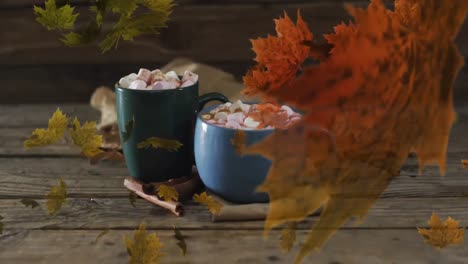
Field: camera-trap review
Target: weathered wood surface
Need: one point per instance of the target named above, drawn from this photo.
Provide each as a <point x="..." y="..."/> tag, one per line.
<point x="227" y="246"/>
<point x="35" y="67"/>
<point x="98" y="201"/>
<point x="33" y="177"/>
<point x="118" y="213"/>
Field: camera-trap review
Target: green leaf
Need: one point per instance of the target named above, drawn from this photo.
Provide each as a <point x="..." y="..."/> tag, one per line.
<point x="180" y="240"/>
<point x="128" y="130"/>
<point x="164" y="6"/>
<point x="30" y="202"/>
<point x="87" y="36"/>
<point x="55" y="18"/>
<point x="130" y="27"/>
<point x="132" y="196"/>
<point x="124" y="7"/>
<point x="160" y="143"/>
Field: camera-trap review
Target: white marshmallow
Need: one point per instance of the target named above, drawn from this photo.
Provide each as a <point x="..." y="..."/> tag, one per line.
<point x="137" y="85"/>
<point x="144" y="75"/>
<point x="127" y="80"/>
<point x="221" y="116"/>
<point x="157" y="75"/>
<point x="187" y="83"/>
<point x="236" y="117"/>
<point x="171" y="76"/>
<point x="235" y="106"/>
<point x="288" y="110"/>
<point x="232" y="124"/>
<point x="251" y="123"/>
<point x="164" y="85"/>
<point x="189" y="76"/>
<point x="245" y="108"/>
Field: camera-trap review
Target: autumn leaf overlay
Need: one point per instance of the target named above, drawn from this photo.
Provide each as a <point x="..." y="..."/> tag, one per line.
<point x="383" y="88"/>
<point x="442" y="233"/>
<point x="83" y="136"/>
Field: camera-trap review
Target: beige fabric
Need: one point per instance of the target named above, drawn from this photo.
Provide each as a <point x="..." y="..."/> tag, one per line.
<point x="211" y="79"/>
<point x="103" y="99"/>
<point x="239" y="212"/>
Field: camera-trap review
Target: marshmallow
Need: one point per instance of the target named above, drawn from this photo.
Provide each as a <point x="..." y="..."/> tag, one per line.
<point x="157" y="75"/>
<point x="189" y="76"/>
<point x="137" y="85"/>
<point x="235" y="106"/>
<point x="144" y="75"/>
<point x="221" y="116"/>
<point x="171" y="76"/>
<point x="251" y="123"/>
<point x="231" y="124"/>
<point x="288" y="110"/>
<point x="127" y="80"/>
<point x="163" y="85"/>
<point x="187" y="83"/>
<point x="236" y="117"/>
<point x="245" y="108"/>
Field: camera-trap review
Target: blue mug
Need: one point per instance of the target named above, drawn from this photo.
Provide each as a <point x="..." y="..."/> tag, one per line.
<point x="222" y="170"/>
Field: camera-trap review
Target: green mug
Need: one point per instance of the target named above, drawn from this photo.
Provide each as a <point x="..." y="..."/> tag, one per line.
<point x="164" y="116"/>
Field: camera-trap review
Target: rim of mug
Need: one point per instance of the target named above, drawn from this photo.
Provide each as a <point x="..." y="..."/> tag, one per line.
<point x="228" y="128"/>
<point x="117" y="86"/>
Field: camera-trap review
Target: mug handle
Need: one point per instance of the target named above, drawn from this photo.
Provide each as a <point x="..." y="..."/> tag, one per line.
<point x="208" y="97"/>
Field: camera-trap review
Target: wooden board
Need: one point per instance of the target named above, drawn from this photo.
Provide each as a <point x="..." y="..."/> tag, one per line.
<point x="118" y="213"/>
<point x="225" y="246"/>
<point x="33" y="177"/>
<point x="98" y="201"/>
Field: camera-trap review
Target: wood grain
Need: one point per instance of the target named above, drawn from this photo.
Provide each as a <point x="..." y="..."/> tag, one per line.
<point x="118" y="213"/>
<point x="243" y="247"/>
<point x="33" y="177"/>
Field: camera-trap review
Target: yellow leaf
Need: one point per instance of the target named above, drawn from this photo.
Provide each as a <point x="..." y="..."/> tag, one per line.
<point x="56" y="198"/>
<point x="56" y="129"/>
<point x="180" y="240"/>
<point x="239" y="141"/>
<point x="155" y="142"/>
<point x="288" y="237"/>
<point x="441" y="234"/>
<point x="144" y="248"/>
<point x="213" y="205"/>
<point x="465" y="164"/>
<point x="168" y="193"/>
<point x="86" y="138"/>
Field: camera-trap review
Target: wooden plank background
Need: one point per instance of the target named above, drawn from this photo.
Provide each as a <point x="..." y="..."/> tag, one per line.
<point x="36" y="68"/>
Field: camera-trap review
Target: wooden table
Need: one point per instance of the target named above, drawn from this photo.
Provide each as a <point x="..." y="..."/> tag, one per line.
<point x="97" y="201"/>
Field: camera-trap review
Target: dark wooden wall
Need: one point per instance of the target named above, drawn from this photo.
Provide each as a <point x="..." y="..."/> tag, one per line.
<point x="36" y="68"/>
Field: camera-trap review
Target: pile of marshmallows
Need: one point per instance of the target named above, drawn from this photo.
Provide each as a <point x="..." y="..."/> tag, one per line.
<point x="245" y="116"/>
<point x="157" y="80"/>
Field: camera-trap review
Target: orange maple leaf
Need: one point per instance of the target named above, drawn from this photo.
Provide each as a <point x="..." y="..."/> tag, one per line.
<point x="382" y="91"/>
<point x="442" y="233"/>
<point x="279" y="57"/>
